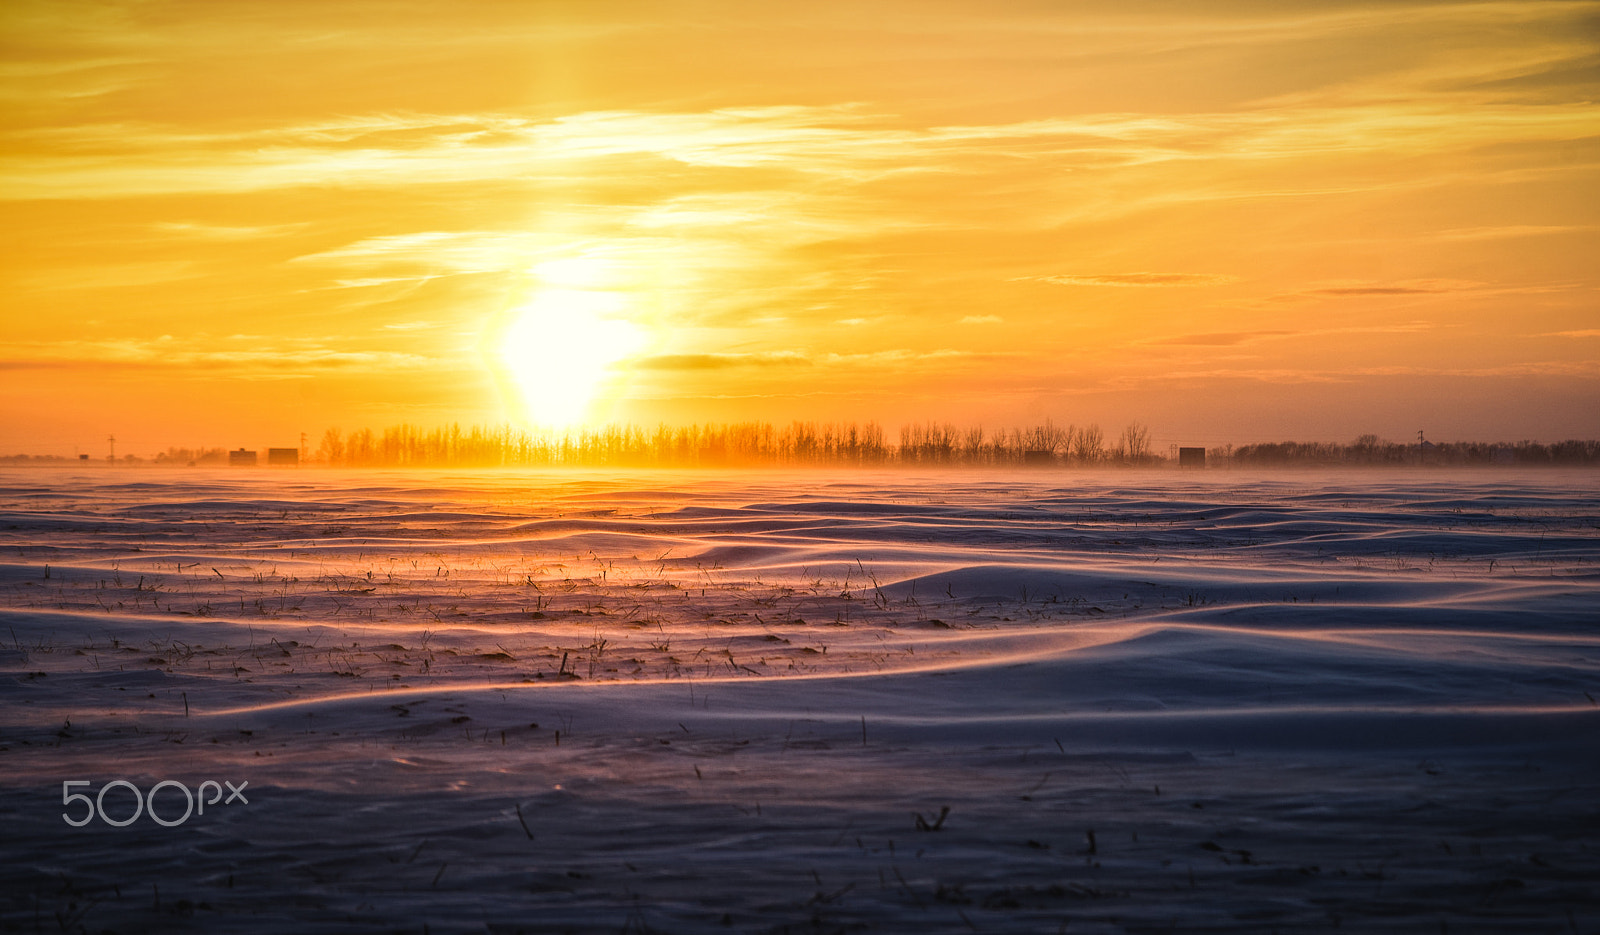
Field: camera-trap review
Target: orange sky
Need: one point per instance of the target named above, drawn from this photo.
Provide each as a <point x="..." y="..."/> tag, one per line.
<point x="232" y="222"/>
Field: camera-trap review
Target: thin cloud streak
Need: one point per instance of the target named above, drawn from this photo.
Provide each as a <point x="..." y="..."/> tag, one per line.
<point x="1221" y="338"/>
<point x="170" y="354"/>
<point x="841" y="142"/>
<point x="1235" y="338"/>
<point x="719" y="361"/>
<point x="1140" y="279"/>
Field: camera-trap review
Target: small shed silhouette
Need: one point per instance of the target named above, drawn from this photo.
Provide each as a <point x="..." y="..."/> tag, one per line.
<point x="1039" y="458"/>
<point x="283" y="457"/>
<point x="1192" y="457"/>
<point x="241" y="458"/>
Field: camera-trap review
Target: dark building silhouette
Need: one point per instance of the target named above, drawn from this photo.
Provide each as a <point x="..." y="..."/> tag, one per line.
<point x="1192" y="457"/>
<point x="283" y="457"/>
<point x="241" y="458"/>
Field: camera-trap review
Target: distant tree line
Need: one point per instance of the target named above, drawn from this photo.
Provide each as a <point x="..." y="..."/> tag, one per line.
<point x="1370" y="450"/>
<point x="199" y="457"/>
<point x="850" y="444"/>
<point x="799" y="444"/>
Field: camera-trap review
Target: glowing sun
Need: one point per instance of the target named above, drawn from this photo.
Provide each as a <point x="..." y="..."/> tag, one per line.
<point x="561" y="348"/>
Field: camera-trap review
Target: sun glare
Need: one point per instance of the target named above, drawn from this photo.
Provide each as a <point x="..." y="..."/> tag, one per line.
<point x="560" y="349"/>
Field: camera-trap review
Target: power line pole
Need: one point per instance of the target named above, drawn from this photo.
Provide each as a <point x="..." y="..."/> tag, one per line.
<point x="113" y="440"/>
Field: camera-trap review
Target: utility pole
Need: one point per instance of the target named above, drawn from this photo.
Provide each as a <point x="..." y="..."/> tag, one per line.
<point x="113" y="440"/>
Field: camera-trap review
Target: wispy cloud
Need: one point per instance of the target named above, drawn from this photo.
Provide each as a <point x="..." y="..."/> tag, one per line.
<point x="1512" y="230"/>
<point x="1139" y="279"/>
<point x="1194" y="377"/>
<point x="784" y="359"/>
<point x="1377" y="290"/>
<point x="243" y="353"/>
<point x="1370" y="289"/>
<point x="1236" y="338"/>
<point x="847" y="143"/>
<point x="226" y="232"/>
<point x="719" y="361"/>
<point x="107" y="276"/>
<point x="451" y="251"/>
<point x="1220" y="338"/>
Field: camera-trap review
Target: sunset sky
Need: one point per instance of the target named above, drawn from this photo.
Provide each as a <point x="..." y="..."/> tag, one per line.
<point x="227" y="223"/>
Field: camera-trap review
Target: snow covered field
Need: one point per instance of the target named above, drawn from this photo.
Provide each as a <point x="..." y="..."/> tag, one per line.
<point x="630" y="702"/>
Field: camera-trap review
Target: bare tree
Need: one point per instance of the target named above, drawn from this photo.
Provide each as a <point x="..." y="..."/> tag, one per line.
<point x="972" y="445"/>
<point x="1135" y="443"/>
<point x="331" y="451"/>
<point x="1047" y="437"/>
<point x="1088" y="445"/>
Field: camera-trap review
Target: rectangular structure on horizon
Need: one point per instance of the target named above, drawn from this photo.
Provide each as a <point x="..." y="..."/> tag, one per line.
<point x="241" y="458"/>
<point x="1192" y="457"/>
<point x="283" y="457"/>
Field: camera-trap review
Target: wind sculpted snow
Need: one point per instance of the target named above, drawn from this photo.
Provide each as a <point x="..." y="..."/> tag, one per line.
<point x="564" y="702"/>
